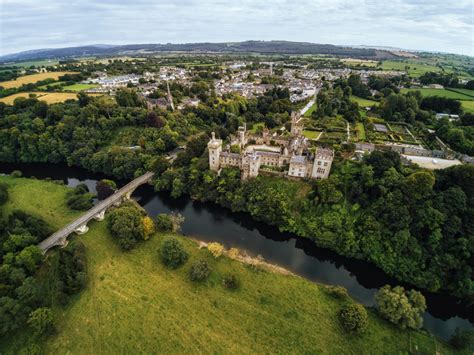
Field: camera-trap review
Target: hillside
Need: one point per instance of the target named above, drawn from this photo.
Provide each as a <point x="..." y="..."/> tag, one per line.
<point x="263" y="47"/>
<point x="134" y="304"/>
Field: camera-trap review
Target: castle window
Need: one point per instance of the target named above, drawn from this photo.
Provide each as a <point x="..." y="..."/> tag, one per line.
<point x="325" y="164"/>
<point x="319" y="163"/>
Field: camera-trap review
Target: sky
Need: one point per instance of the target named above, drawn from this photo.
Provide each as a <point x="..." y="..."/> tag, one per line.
<point x="434" y="25"/>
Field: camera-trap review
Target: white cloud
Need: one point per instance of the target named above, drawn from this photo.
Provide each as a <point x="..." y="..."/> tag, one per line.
<point x="414" y="24"/>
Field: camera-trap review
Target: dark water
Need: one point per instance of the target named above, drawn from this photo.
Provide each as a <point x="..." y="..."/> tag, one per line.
<point x="210" y="222"/>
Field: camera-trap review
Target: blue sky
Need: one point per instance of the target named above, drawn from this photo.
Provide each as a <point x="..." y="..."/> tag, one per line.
<point x="437" y="25"/>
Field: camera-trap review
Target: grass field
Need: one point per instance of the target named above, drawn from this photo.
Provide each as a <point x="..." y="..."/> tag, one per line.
<point x="37" y="63"/>
<point x="363" y="102"/>
<point x="464" y="91"/>
<point x="440" y="92"/>
<point x="311" y="134"/>
<point x="352" y="61"/>
<point x="412" y="66"/>
<point x="49" y="97"/>
<point x="468" y="106"/>
<point x="360" y="131"/>
<point x="133" y="304"/>
<point x="27" y="79"/>
<point x="79" y="87"/>
<point x="310" y="110"/>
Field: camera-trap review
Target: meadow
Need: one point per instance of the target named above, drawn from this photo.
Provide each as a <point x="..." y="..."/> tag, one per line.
<point x="49" y="97"/>
<point x="33" y="78"/>
<point x="363" y="102"/>
<point x="133" y="304"/>
<point x="413" y="67"/>
<point x="36" y="63"/>
<point x="79" y="87"/>
<point x="442" y="93"/>
<point x="468" y="106"/>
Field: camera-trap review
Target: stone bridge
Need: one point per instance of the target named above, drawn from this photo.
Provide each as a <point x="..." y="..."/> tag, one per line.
<point x="97" y="212"/>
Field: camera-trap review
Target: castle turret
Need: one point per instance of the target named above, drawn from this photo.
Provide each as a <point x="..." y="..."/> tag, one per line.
<point x="215" y="148"/>
<point x="322" y="163"/>
<point x="242" y="135"/>
<point x="250" y="165"/>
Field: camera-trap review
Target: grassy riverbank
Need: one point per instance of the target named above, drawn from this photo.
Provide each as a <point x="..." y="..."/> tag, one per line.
<point x="134" y="304"/>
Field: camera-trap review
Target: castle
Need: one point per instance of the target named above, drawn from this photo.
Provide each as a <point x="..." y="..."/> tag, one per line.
<point x="291" y="154"/>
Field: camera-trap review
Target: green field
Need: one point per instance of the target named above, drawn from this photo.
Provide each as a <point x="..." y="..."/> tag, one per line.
<point x="464" y="91"/>
<point x="132" y="304"/>
<point x="310" y="110"/>
<point x="440" y="92"/>
<point x="468" y="106"/>
<point x="363" y="102"/>
<point x="56" y="83"/>
<point x="360" y="131"/>
<point x="412" y="66"/>
<point x="311" y="134"/>
<point x="38" y="63"/>
<point x="79" y="87"/>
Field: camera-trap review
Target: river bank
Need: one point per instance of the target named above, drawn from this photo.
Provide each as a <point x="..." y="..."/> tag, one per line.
<point x="209" y="222"/>
<point x="133" y="303"/>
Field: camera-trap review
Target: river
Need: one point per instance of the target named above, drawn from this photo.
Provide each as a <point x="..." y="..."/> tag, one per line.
<point x="210" y="222"/>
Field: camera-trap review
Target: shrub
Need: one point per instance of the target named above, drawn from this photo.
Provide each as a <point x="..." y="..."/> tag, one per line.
<point x="172" y="253"/>
<point x="41" y="320"/>
<point x="337" y="292"/>
<point x="3" y="194"/>
<point x="105" y="188"/>
<point x="403" y="308"/>
<point x="199" y="271"/>
<point x="231" y="282"/>
<point x="216" y="249"/>
<point x="126" y="226"/>
<point x="148" y="227"/>
<point x="233" y="253"/>
<point x="16" y="174"/>
<point x="463" y="339"/>
<point x="354" y="318"/>
<point x="164" y="223"/>
<point x="79" y="198"/>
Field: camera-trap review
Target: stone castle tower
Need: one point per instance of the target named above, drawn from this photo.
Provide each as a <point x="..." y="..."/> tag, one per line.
<point x="296" y="124"/>
<point x="215" y="149"/>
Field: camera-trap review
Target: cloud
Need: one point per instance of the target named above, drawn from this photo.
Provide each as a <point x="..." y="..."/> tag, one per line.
<point x="414" y="24"/>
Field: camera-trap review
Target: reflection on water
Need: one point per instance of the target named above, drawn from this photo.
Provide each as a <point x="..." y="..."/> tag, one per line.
<point x="210" y="222"/>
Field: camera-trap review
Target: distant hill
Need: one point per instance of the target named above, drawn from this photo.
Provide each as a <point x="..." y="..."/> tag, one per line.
<point x="262" y="47"/>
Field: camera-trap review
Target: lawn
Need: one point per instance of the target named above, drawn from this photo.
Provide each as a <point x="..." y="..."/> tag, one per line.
<point x="133" y="304"/>
<point x="33" y="78"/>
<point x="310" y="110"/>
<point x="360" y="131"/>
<point x="440" y="92"/>
<point x="466" y="92"/>
<point x="363" y="102"/>
<point x="311" y="134"/>
<point x="79" y="87"/>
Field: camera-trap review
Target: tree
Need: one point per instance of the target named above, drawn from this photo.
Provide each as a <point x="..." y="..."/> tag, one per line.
<point x="354" y="318"/>
<point x="403" y="308"/>
<point x="199" y="271"/>
<point x="41" y="320"/>
<point x="3" y="194"/>
<point x="148" y="227"/>
<point x="105" y="188"/>
<point x="172" y="253"/>
<point x="79" y="198"/>
<point x="126" y="226"/>
<point x="463" y="339"/>
<point x="164" y="222"/>
<point x="30" y="258"/>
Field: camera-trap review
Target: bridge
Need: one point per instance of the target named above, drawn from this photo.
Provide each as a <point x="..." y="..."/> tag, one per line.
<point x="79" y="226"/>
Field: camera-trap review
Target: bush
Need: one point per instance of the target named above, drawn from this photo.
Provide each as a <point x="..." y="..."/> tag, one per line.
<point x="172" y="253"/>
<point x="105" y="188"/>
<point x="233" y="253"/>
<point x="164" y="223"/>
<point x="337" y="292"/>
<point x="231" y="282"/>
<point x="148" y="227"/>
<point x="79" y="199"/>
<point x="403" y="308"/>
<point x="199" y="271"/>
<point x="41" y="320"/>
<point x="354" y="318"/>
<point x="125" y="223"/>
<point x="463" y="339"/>
<point x="216" y="249"/>
<point x="3" y="194"/>
<point x="16" y="174"/>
